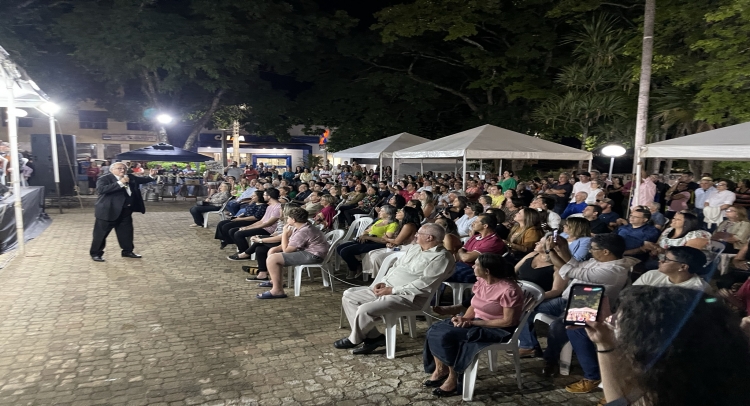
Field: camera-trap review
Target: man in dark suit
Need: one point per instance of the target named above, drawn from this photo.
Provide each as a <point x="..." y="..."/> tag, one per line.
<point x="119" y="197"/>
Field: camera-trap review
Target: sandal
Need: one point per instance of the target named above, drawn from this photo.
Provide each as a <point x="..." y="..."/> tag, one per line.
<point x="268" y="295"/>
<point x="255" y="278"/>
<point x="267" y="284"/>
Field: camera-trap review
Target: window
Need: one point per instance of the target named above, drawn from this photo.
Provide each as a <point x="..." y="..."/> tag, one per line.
<point x="92" y="119"/>
<point x="136" y="126"/>
<point x="111" y="150"/>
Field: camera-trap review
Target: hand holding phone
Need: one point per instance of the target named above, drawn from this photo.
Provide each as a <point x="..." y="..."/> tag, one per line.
<point x="584" y="304"/>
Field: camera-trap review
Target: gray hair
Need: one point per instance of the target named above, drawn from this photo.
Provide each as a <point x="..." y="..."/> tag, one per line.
<point x="389" y="211"/>
<point x="434" y="230"/>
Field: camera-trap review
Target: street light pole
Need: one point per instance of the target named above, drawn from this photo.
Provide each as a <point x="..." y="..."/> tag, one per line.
<point x="612" y="151"/>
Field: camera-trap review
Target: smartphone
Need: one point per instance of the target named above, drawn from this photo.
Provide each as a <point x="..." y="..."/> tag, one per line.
<point x="584" y="304"/>
<point x="554" y="235"/>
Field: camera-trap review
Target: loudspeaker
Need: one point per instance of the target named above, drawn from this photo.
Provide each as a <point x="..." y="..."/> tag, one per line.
<point x="41" y="153"/>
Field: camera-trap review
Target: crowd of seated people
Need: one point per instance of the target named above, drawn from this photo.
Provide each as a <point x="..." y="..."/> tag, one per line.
<point x="491" y="235"/>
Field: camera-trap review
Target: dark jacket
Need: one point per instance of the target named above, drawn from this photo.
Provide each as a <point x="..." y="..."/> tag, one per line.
<point x="112" y="196"/>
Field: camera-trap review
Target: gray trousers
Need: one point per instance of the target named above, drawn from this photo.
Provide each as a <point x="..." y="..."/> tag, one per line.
<point x="364" y="310"/>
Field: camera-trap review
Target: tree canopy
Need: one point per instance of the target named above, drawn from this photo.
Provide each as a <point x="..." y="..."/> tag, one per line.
<point x="552" y="68"/>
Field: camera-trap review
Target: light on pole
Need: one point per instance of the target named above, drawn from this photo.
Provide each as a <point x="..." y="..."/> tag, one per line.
<point x="163" y="119"/>
<point x="613" y="151"/>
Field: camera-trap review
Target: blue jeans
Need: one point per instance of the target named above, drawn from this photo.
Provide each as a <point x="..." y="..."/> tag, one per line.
<point x="553" y="307"/>
<point x="233" y="206"/>
<point x="585" y="351"/>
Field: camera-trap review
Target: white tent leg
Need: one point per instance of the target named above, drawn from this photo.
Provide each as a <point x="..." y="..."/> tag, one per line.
<point x="55" y="166"/>
<point x="393" y="171"/>
<point x="381" y="167"/>
<point x="421" y="167"/>
<point x="14" y="169"/>
<point x="589" y="165"/>
<point x="481" y="171"/>
<point x="500" y="171"/>
<point x="463" y="176"/>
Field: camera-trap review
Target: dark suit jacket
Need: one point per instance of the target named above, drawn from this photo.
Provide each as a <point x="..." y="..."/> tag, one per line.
<point x="112" y="196"/>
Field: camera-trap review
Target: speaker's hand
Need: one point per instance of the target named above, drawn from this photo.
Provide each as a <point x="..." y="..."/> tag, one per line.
<point x="125" y="179"/>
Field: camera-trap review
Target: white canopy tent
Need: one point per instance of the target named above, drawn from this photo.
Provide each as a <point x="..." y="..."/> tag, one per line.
<point x="723" y="144"/>
<point x="726" y="144"/>
<point x="383" y="148"/>
<point x="491" y="142"/>
<point x="18" y="91"/>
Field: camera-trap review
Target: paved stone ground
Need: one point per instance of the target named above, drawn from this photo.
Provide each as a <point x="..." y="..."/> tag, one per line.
<point x="181" y="326"/>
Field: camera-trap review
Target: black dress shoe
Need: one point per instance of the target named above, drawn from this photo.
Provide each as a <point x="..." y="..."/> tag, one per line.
<point x="130" y="255"/>
<point x="436" y="383"/>
<point x="344" y="344"/>
<point x="370" y="345"/>
<point x="223" y="245"/>
<point x="97" y="258"/>
<point x="550" y="369"/>
<point x="445" y="393"/>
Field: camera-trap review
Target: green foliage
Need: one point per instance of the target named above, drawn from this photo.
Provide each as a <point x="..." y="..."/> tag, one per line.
<point x="595" y="82"/>
<point x="734" y="170"/>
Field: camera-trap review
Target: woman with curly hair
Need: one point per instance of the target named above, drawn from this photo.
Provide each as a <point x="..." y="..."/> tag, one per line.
<point x="670" y="346"/>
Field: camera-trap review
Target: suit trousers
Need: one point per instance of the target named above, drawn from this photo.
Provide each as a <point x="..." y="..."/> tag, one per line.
<point x="222" y="229"/>
<point x="197" y="212"/>
<point x="123" y="226"/>
<point x="364" y="309"/>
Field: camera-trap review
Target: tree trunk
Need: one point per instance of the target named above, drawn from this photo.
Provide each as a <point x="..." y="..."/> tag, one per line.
<point x="667" y="167"/>
<point x="198" y="125"/>
<point x="695" y="167"/>
<point x="584" y="135"/>
<point x="644" y="87"/>
<point x="706" y="167"/>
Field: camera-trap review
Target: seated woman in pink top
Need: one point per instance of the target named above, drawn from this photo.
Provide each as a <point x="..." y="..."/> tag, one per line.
<point x="492" y="317"/>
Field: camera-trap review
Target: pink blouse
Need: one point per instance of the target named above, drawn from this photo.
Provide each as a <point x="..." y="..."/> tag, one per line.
<point x="489" y="300"/>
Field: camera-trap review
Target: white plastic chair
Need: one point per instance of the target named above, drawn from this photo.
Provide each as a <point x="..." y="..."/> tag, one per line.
<point x="220" y="212"/>
<point x="713" y="252"/>
<point x="724" y="261"/>
<point x="355" y="230"/>
<point x="392" y="319"/>
<point x="458" y="290"/>
<point x="533" y="296"/>
<point x="295" y="272"/>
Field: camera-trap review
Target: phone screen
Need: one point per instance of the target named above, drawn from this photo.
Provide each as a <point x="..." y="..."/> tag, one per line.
<point x="554" y="235"/>
<point x="583" y="304"/>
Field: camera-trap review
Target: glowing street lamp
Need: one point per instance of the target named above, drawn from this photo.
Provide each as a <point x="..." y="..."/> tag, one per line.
<point x="613" y="151"/>
<point x="164" y="118"/>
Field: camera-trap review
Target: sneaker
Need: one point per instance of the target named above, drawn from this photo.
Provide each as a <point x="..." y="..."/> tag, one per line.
<point x="583" y="386"/>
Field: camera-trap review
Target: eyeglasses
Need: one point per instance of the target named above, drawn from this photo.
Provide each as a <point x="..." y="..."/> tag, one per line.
<point x="592" y="248"/>
<point x="663" y="258"/>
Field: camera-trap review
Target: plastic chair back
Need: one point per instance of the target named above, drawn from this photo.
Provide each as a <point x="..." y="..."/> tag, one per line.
<point x="386" y="265"/>
<point x="713" y="256"/>
<point x="364" y="222"/>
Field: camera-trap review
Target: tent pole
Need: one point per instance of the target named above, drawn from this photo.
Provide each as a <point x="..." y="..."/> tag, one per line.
<point x="393" y="171"/>
<point x="223" y="150"/>
<point x="480" y="168"/>
<point x="381" y="167"/>
<point x="421" y="167"/>
<point x="463" y="176"/>
<point x="55" y="167"/>
<point x="500" y="171"/>
<point x="14" y="169"/>
<point x="589" y="165"/>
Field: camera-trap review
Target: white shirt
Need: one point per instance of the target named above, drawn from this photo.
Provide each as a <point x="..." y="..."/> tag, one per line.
<point x="553" y="219"/>
<point x="419" y="273"/>
<point x="612" y="274"/>
<point x="591" y="199"/>
<point x="701" y="196"/>
<point x="464" y="225"/>
<point x="657" y="279"/>
<point x="718" y="198"/>
<point x="580" y="187"/>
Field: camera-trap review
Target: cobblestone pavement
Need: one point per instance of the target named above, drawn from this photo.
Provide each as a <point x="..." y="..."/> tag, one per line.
<point x="181" y="326"/>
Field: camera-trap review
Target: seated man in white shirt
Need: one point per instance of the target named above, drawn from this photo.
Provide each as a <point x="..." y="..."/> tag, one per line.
<point x="408" y="285"/>
<point x="680" y="267"/>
